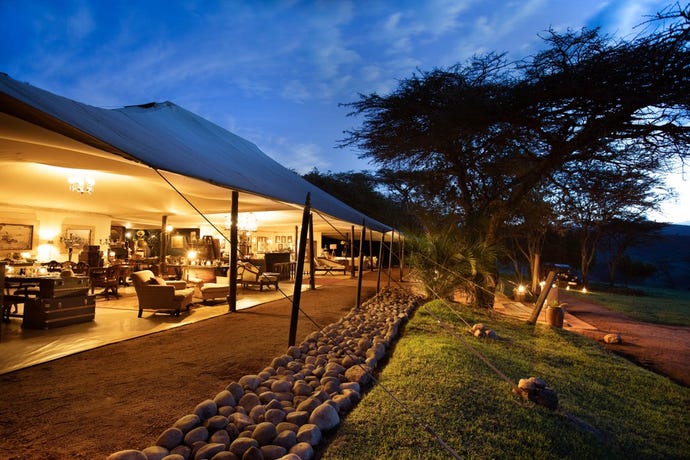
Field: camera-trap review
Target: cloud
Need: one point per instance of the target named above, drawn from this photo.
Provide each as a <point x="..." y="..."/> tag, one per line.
<point x="295" y="91"/>
<point x="81" y="24"/>
<point x="300" y="157"/>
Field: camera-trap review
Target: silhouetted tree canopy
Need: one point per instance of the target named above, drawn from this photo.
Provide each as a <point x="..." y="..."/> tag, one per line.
<point x="475" y="140"/>
<point x="360" y="191"/>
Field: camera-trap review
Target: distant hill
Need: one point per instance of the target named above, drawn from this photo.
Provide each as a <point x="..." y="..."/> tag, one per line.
<point x="670" y="254"/>
<point x="676" y="229"/>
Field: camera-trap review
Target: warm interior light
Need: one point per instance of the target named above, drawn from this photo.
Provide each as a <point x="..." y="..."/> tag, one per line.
<point x="168" y="228"/>
<point x="191" y="255"/>
<point x="81" y="184"/>
<point x="521" y="288"/>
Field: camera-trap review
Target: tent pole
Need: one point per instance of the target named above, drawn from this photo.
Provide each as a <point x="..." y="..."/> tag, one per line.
<point x="371" y="250"/>
<point x="232" y="275"/>
<point x="361" y="265"/>
<point x="162" y="270"/>
<point x="379" y="264"/>
<point x="390" y="259"/>
<point x="300" y="268"/>
<point x="294" y="248"/>
<point x="352" y="252"/>
<point x="312" y="255"/>
<point x="402" y="256"/>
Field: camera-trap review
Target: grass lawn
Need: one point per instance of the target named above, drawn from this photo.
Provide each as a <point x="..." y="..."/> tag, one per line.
<point x="608" y="407"/>
<point x="661" y="306"/>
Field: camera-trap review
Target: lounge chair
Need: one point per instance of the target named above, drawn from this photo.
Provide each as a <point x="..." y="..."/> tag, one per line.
<point x="328" y="266"/>
<point x="249" y="274"/>
<point x="208" y="286"/>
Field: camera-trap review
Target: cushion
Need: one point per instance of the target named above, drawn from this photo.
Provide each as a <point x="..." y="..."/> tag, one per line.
<point x="157" y="280"/>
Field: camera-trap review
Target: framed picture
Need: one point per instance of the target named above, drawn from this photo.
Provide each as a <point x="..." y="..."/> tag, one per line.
<point x="15" y="237"/>
<point x="76" y="236"/>
<point x="117" y="234"/>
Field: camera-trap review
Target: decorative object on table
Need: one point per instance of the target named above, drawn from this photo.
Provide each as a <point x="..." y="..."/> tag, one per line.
<point x="75" y="237"/>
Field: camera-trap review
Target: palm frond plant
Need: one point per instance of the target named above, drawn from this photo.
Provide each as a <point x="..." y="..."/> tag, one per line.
<point x="445" y="263"/>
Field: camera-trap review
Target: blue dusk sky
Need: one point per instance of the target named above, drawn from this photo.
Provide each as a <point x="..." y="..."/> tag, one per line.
<point x="277" y="72"/>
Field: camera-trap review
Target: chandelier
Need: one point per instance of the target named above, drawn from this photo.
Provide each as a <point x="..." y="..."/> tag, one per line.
<point x="246" y="222"/>
<point x="81" y="184"/>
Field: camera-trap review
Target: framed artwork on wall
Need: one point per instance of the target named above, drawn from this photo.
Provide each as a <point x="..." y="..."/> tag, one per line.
<point x="76" y="236"/>
<point x="117" y="234"/>
<point x="16" y="237"/>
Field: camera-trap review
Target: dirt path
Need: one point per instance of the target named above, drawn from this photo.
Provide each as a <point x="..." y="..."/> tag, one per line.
<point x="662" y="349"/>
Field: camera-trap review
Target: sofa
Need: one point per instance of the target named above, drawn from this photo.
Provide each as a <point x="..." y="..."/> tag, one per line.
<point x="155" y="293"/>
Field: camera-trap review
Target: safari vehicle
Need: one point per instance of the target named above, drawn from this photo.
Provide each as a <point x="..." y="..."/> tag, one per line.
<point x="566" y="276"/>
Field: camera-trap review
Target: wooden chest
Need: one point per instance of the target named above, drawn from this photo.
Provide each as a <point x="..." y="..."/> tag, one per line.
<point x="42" y="313"/>
<point x="51" y="288"/>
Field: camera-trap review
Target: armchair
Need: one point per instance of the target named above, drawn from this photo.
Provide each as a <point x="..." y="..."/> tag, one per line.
<point x="160" y="295"/>
<point x="107" y="278"/>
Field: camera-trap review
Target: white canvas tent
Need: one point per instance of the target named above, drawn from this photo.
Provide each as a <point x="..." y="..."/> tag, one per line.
<point x="137" y="154"/>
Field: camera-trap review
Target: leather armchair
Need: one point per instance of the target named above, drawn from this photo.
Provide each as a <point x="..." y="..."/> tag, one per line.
<point x="155" y="293"/>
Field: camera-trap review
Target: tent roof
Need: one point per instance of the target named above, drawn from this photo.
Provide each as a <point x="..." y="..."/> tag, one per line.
<point x="45" y="137"/>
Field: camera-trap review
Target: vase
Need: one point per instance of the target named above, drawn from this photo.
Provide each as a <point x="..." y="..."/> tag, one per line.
<point x="554" y="316"/>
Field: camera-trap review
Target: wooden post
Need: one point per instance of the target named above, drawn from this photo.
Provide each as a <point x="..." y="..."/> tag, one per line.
<point x="232" y="273"/>
<point x="542" y="298"/>
<point x="300" y="269"/>
<point x="361" y="267"/>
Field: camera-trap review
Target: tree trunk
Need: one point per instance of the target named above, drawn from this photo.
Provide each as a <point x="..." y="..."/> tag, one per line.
<point x="536" y="262"/>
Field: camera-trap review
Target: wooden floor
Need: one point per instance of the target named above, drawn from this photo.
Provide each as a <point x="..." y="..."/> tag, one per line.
<point x="115" y="320"/>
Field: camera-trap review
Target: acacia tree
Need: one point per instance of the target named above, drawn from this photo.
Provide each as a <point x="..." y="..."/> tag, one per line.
<point x="593" y="195"/>
<point x="525" y="234"/>
<point x="476" y="139"/>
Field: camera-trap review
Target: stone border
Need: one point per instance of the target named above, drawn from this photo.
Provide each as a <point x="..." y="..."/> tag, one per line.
<point x="282" y="412"/>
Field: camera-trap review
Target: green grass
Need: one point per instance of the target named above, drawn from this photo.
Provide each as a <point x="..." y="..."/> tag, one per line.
<point x="661" y="306"/>
<point x="622" y="410"/>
